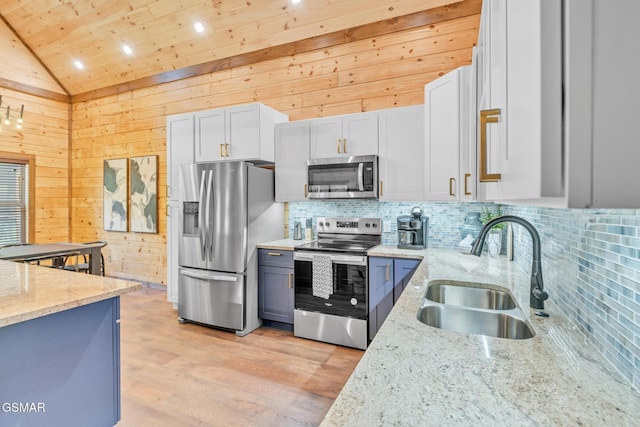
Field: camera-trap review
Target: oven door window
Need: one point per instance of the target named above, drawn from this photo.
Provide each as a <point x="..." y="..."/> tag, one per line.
<point x="349" y="298"/>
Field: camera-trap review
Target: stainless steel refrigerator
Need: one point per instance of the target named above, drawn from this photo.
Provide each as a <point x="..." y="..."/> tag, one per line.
<point x="227" y="208"/>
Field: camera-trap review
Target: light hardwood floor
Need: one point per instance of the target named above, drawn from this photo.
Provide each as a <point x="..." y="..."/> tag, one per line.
<point x="189" y="375"/>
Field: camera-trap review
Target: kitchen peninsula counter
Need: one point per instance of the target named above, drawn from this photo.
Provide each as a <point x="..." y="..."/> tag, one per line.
<point x="60" y="339"/>
<point x="28" y="291"/>
<point x="416" y="375"/>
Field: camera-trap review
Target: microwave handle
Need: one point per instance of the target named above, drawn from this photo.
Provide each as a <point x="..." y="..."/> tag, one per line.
<point x="361" y="176"/>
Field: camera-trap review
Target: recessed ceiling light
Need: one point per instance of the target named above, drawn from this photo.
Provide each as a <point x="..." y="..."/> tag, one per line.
<point x="127" y="49"/>
<point x="78" y="65"/>
<point x="295" y="1"/>
<point x="199" y="27"/>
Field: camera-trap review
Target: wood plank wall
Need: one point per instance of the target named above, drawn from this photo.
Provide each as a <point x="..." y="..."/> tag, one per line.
<point x="382" y="72"/>
<point x="44" y="134"/>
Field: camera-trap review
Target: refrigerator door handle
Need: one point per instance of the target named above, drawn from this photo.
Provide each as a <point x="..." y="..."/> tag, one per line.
<point x="203" y="222"/>
<point x="210" y="213"/>
<point x="209" y="243"/>
<point x="205" y="276"/>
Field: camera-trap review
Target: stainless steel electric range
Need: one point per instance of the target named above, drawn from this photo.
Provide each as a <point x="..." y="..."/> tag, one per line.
<point x="331" y="281"/>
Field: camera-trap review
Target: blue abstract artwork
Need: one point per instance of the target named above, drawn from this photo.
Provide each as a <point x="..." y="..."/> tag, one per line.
<point x="114" y="204"/>
<point x="143" y="194"/>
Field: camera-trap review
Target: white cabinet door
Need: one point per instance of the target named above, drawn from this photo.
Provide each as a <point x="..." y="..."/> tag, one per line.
<point x="360" y="134"/>
<point x="292" y="153"/>
<point x="521" y="119"/>
<point x="242" y="130"/>
<point x="173" y="233"/>
<point x="210" y="137"/>
<point x="325" y="137"/>
<point x="401" y="162"/>
<point x="180" y="149"/>
<point x="442" y="137"/>
<point x="448" y="167"/>
<point x="493" y="101"/>
<point x="347" y="135"/>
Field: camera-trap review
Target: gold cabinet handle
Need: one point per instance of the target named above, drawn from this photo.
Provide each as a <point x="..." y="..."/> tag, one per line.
<point x="274" y="254"/>
<point x="167" y="211"/>
<point x="290" y="280"/>
<point x="466" y="182"/>
<point x="381" y="192"/>
<point x="344" y="145"/>
<point x="387" y="275"/>
<point x="306" y="193"/>
<point x="221" y="155"/>
<point x="338" y="146"/>
<point x="487" y="116"/>
<point x="451" y="182"/>
<point x="226" y="150"/>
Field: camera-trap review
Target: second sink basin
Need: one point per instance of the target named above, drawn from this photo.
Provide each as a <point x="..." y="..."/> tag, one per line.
<point x="492" y="323"/>
<point x="465" y="294"/>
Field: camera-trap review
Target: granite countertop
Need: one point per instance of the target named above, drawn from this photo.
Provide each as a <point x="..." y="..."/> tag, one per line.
<point x="29" y="291"/>
<point x="414" y="374"/>
<point x="283" y="244"/>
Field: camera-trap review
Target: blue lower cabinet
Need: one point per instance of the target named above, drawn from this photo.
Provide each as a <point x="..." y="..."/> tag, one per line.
<point x="403" y="269"/>
<point x="62" y="369"/>
<point x="387" y="279"/>
<point x="380" y="292"/>
<point x="275" y="287"/>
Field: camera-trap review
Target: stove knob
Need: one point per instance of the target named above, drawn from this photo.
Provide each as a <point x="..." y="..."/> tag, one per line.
<point x="327" y="224"/>
<point x="375" y="225"/>
<point x="320" y="224"/>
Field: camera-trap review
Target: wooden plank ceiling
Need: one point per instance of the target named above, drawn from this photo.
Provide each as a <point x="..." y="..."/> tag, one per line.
<point x="162" y="37"/>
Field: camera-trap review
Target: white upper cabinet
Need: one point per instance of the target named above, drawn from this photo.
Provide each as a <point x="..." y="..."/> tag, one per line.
<point x="346" y="135"/>
<point x="292" y="153"/>
<point x="401" y="161"/>
<point x="244" y="132"/>
<point x="521" y="103"/>
<point x="180" y="134"/>
<point x="555" y="101"/>
<point x="448" y="171"/>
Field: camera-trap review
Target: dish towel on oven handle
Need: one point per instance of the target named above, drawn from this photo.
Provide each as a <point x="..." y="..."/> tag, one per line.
<point x="322" y="273"/>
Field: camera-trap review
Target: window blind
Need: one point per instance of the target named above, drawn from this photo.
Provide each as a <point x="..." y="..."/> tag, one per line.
<point x="13" y="202"/>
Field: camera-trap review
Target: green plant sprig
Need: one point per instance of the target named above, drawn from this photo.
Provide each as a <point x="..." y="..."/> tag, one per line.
<point x="488" y="214"/>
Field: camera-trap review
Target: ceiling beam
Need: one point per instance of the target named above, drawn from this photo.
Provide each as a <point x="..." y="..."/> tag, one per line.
<point x="376" y="29"/>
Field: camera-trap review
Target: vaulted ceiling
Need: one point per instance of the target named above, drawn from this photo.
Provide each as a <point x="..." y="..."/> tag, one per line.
<point x="162" y="37"/>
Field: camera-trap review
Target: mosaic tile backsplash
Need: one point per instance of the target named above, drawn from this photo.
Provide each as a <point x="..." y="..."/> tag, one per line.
<point x="590" y="265"/>
<point x="445" y="218"/>
<point x="591" y="270"/>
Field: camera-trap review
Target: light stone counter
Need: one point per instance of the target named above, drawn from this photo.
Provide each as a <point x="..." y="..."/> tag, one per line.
<point x="416" y="375"/>
<point x="28" y="292"/>
<point x="283" y="244"/>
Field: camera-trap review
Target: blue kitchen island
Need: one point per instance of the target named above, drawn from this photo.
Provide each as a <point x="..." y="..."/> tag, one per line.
<point x="59" y="347"/>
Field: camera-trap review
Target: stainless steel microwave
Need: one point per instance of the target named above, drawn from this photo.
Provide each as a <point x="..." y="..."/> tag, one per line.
<point x="354" y="177"/>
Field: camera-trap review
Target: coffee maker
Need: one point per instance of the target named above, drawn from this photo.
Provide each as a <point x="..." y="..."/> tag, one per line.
<point x="413" y="230"/>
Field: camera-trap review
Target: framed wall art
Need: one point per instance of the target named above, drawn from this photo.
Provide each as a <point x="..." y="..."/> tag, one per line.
<point x="143" y="194"/>
<point x="114" y="195"/>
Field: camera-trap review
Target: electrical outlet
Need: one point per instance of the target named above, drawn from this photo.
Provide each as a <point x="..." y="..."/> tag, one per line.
<point x="109" y="258"/>
<point x="386" y="226"/>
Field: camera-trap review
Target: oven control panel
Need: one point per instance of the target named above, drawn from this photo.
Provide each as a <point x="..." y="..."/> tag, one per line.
<point x="349" y="225"/>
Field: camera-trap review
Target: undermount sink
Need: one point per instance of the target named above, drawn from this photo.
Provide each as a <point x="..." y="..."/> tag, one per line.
<point x="482" y="322"/>
<point x="473" y="308"/>
<point x="465" y="294"/>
